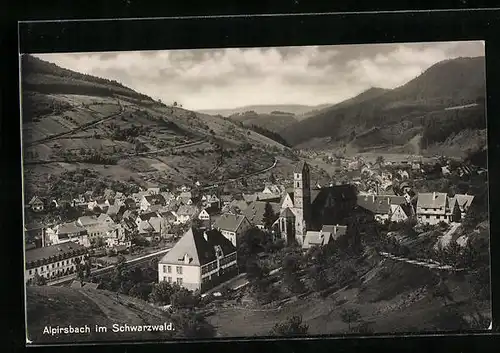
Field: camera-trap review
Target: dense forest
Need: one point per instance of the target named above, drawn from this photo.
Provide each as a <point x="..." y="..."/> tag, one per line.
<point x="270" y="134"/>
<point x="41" y="76"/>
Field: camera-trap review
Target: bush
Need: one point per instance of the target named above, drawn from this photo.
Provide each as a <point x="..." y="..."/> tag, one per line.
<point x="291" y="327"/>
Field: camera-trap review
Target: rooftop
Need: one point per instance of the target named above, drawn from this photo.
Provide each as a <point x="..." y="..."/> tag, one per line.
<point x="229" y="222"/>
<point x="53" y="250"/>
<point x="197" y="250"/>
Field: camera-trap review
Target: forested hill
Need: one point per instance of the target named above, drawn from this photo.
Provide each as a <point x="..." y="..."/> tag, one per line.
<point x="45" y="77"/>
<point x="406" y="109"/>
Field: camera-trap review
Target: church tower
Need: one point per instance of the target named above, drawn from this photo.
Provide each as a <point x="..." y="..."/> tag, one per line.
<point x="302" y="200"/>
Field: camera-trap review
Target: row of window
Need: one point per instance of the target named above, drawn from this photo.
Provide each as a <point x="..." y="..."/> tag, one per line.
<point x="168" y="269"/>
<point x="432" y="216"/>
<point x="54" y="265"/>
<point x="169" y="280"/>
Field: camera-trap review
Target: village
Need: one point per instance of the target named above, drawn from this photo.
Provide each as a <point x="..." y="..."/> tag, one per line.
<point x="186" y="221"/>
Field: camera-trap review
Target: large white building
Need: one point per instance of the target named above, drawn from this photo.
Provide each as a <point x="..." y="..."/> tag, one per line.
<point x="54" y="260"/>
<point x="199" y="261"/>
<point x="435" y="207"/>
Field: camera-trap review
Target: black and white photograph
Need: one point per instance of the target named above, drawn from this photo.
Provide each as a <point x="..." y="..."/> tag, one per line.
<point x="255" y="192"/>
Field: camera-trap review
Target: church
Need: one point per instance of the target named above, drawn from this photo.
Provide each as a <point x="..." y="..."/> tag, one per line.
<point x="304" y="208"/>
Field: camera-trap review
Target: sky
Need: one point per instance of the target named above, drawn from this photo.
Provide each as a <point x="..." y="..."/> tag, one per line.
<point x="202" y="79"/>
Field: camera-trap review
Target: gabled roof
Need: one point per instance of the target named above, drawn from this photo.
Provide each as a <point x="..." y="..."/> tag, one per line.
<point x="464" y="201"/>
<point x="87" y="220"/>
<point x="198" y="250"/>
<point x="255" y="211"/>
<point x="103" y="218"/>
<point x="147" y="216"/>
<point x="52" y="250"/>
<point x="379" y="204"/>
<point x="229" y="222"/>
<point x="187" y="210"/>
<point x="34" y="200"/>
<point x="155" y="199"/>
<point x="250" y="197"/>
<point x="71" y="227"/>
<point x="211" y="210"/>
<point x="433" y="200"/>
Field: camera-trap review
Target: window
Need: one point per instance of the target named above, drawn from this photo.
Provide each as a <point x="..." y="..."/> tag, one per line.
<point x="179" y="270"/>
<point x="179" y="281"/>
<point x="298" y="184"/>
<point x="169" y="269"/>
<point x="164" y="268"/>
<point x="29" y="272"/>
<point x="169" y="279"/>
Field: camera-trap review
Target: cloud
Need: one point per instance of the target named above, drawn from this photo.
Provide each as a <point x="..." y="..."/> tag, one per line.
<point x="227" y="78"/>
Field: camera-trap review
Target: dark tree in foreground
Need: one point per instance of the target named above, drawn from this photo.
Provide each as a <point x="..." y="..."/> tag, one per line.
<point x="269" y="216"/>
<point x="293" y="326"/>
<point x="39" y="280"/>
<point x="350" y="316"/>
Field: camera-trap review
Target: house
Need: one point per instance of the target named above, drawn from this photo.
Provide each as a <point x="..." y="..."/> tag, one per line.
<point x="400" y="213"/>
<point x="464" y="202"/>
<point x="232" y="227"/>
<point x="108" y="194"/>
<point x="137" y="197"/>
<point x="142" y="222"/>
<point x="153" y="191"/>
<point x="148" y="201"/>
<point x="436" y="207"/>
<point x="323" y="237"/>
<point x="185" y="213"/>
<point x="268" y="197"/>
<point x="380" y="205"/>
<point x="206" y="214"/>
<point x="54" y="260"/>
<point x="79" y="201"/>
<point x="211" y="201"/>
<point x="68" y="232"/>
<point x="98" y="203"/>
<point x="235" y="207"/>
<point x="36" y="204"/>
<point x="114" y="210"/>
<point x="97" y="226"/>
<point x="200" y="260"/>
<point x="272" y="189"/>
<point x="254" y="213"/>
<point x="186" y="198"/>
<point x="226" y="200"/>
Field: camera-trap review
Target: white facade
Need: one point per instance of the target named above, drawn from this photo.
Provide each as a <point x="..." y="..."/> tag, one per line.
<point x="398" y="214"/>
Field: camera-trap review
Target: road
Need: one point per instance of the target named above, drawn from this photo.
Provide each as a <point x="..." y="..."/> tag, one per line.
<point x="105" y="270"/>
<point x="79" y="128"/>
<point x="223" y="182"/>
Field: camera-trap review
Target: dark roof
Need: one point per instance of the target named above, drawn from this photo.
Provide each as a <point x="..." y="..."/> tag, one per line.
<point x="212" y="210"/>
<point x="147" y="216"/>
<point x="338" y="193"/>
<point x="229" y="222"/>
<point x="380" y="204"/>
<point x="48" y="251"/>
<point x="33" y="226"/>
<point x="155" y="199"/>
<point x="198" y="250"/>
<point x="255" y="211"/>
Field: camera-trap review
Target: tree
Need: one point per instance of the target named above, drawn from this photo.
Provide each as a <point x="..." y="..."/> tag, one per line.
<point x="379" y="160"/>
<point x="350" y="316"/>
<point x="269" y="216"/>
<point x="161" y="293"/>
<point x="293" y="326"/>
<point x="442" y="292"/>
<point x="183" y="298"/>
<point x="39" y="280"/>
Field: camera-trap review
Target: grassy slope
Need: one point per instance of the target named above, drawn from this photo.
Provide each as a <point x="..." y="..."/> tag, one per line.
<point x="51" y="109"/>
<point x="398" y="303"/>
<point x="59" y="306"/>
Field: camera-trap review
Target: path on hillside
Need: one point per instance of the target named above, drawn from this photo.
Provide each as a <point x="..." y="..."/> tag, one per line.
<point x="447" y="237"/>
<point x="223" y="182"/>
<point x="421" y="263"/>
<point x="79" y="128"/>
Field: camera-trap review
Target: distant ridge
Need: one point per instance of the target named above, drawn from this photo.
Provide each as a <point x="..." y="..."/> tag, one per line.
<point x="295" y="109"/>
